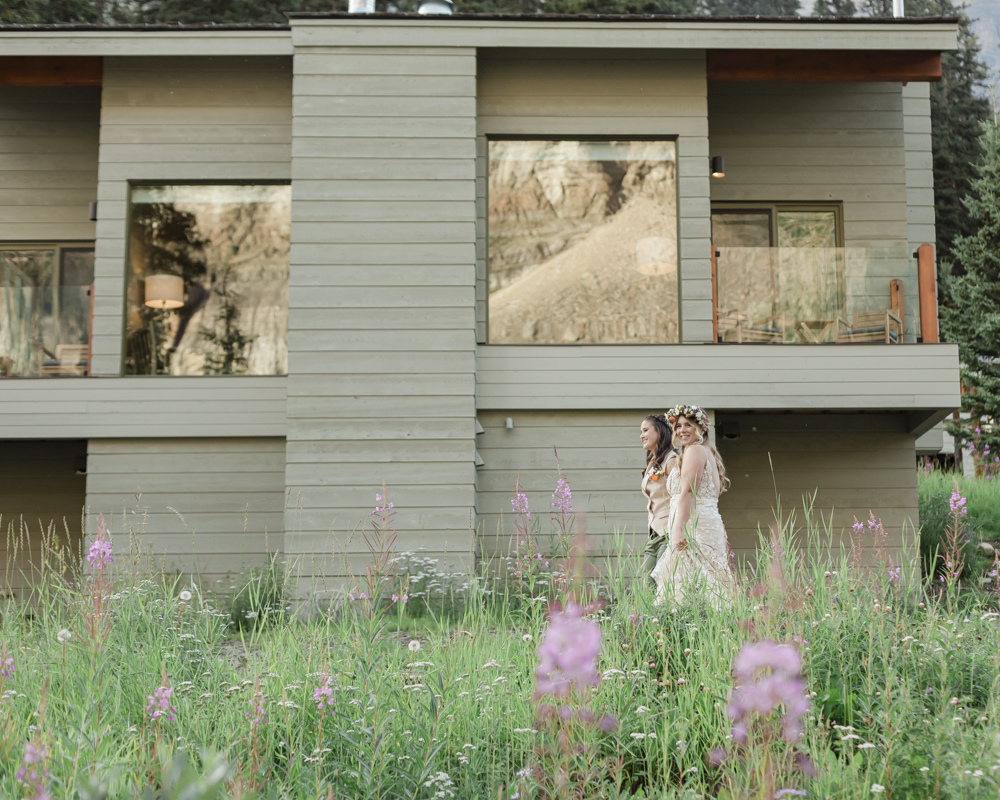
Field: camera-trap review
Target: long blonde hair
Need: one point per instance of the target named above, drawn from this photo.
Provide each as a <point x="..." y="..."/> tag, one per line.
<point x="707" y="443"/>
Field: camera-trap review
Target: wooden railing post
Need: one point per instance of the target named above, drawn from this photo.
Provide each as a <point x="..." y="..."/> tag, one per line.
<point x="927" y="285"/>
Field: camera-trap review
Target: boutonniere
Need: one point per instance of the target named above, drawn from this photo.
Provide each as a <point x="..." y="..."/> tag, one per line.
<point x="656" y="475"/>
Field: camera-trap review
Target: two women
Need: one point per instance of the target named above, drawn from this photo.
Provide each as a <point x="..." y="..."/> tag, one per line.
<point x="687" y="548"/>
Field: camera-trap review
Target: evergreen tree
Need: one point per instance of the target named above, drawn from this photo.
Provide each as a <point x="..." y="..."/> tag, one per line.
<point x="752" y="8"/>
<point x="46" y="12"/>
<point x="834" y="8"/>
<point x="958" y="109"/>
<point x="973" y="321"/>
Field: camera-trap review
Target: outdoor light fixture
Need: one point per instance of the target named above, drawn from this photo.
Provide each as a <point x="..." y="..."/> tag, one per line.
<point x="164" y="291"/>
<point x="92" y="211"/>
<point x="718" y="166"/>
<point x="509" y="423"/>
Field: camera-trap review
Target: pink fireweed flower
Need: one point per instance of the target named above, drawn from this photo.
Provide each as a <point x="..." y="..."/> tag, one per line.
<point x="567" y="656"/>
<point x="99" y="555"/>
<point x="256" y="714"/>
<point x="520" y="505"/>
<point x="7" y="666"/>
<point x="562" y="497"/>
<point x="768" y="677"/>
<point x="957" y="505"/>
<point x="159" y="703"/>
<point x="32" y="771"/>
<point x="323" y="696"/>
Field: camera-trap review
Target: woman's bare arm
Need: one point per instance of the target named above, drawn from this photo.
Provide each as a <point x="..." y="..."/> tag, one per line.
<point x="693" y="464"/>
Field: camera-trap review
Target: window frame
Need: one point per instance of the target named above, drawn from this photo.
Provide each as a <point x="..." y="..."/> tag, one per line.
<point x="776" y="207"/>
<point x="133" y="183"/>
<point x="673" y="138"/>
<point x="59" y="245"/>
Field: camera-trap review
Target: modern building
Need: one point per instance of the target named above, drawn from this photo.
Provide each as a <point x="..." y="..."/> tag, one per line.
<point x="250" y="273"/>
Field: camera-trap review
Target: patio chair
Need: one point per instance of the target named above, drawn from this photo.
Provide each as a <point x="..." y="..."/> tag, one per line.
<point x="140" y="349"/>
<point x="69" y="359"/>
<point x="737" y="326"/>
<point x="871" y="326"/>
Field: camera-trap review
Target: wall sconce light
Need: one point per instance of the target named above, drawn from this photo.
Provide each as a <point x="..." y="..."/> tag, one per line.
<point x="509" y="423"/>
<point x="164" y="291"/>
<point x="718" y="166"/>
<point x="92" y="211"/>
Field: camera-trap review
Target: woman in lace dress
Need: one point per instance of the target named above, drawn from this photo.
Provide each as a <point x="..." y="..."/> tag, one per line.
<point x="696" y="555"/>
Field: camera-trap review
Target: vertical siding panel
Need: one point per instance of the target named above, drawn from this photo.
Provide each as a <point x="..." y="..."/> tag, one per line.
<point x="205" y="507"/>
<point x="621" y="94"/>
<point x="179" y="119"/>
<point x="919" y="181"/>
<point x="410" y="271"/>
<point x="48" y="162"/>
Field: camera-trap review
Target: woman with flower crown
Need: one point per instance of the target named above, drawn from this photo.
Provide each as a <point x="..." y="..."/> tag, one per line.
<point x="696" y="554"/>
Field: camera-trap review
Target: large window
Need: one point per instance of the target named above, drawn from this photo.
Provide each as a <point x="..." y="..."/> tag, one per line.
<point x="207" y="289"/>
<point x="45" y="309"/>
<point x="582" y="242"/>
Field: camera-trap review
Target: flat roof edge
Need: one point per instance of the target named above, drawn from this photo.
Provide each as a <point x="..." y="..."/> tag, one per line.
<point x="207" y="27"/>
<point x="611" y="18"/>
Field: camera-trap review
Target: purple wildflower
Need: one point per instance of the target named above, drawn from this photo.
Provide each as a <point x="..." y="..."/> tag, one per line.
<point x="99" y="555"/>
<point x="957" y="504"/>
<point x="159" y="703"/>
<point x="768" y="676"/>
<point x="562" y="497"/>
<point x="256" y="714"/>
<point x="520" y="504"/>
<point x="7" y="666"/>
<point x="567" y="657"/>
<point x="32" y="771"/>
<point x="323" y="696"/>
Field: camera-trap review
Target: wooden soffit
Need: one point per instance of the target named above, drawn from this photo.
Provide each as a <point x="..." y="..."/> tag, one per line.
<point x="51" y="70"/>
<point x="823" y="65"/>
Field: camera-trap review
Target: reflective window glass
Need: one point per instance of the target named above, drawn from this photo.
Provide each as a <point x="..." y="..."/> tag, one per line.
<point x="582" y="242"/>
<point x="207" y="286"/>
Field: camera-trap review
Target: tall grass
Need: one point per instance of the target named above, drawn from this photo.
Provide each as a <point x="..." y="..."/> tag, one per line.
<point x="361" y="700"/>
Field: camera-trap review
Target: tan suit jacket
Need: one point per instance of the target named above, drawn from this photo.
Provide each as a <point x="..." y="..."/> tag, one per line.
<point x="657" y="502"/>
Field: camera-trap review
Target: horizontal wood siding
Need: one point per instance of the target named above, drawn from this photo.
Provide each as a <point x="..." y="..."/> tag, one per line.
<point x="184" y="120"/>
<point x="858" y="464"/>
<point x="205" y="507"/>
<point x="738" y="376"/>
<point x="559" y="94"/>
<point x="142" y="406"/>
<point x="41" y="509"/>
<point x="382" y="325"/>
<point x="48" y="162"/>
<point x="823" y="142"/>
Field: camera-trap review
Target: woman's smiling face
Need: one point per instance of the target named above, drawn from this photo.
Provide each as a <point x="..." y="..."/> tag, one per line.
<point x="686" y="432"/>
<point x="648" y="435"/>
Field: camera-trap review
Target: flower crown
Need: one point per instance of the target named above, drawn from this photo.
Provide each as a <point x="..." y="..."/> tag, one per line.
<point x="695" y="413"/>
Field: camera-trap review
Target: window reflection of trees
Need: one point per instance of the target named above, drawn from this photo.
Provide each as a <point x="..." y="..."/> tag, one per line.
<point x="233" y="258"/>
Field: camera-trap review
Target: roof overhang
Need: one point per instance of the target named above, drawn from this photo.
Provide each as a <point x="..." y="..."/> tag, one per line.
<point x="654" y="32"/>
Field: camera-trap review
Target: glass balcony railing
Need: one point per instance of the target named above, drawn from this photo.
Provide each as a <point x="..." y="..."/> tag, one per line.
<point x="815" y="294"/>
<point x="45" y="331"/>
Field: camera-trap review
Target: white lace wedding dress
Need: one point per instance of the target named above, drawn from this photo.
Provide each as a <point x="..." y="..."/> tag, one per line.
<point x="704" y="564"/>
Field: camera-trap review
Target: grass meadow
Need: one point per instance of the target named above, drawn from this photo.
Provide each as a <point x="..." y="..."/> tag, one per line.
<point x="869" y="679"/>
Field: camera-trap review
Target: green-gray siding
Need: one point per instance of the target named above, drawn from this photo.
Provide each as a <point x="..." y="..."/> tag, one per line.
<point x="48" y="162"/>
<point x="553" y="93"/>
<point x="858" y="464"/>
<point x="181" y="120"/>
<point x="208" y="507"/>
<point x="381" y="318"/>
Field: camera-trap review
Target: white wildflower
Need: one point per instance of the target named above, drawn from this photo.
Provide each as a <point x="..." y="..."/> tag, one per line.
<point x="866" y="746"/>
<point x="526" y="637"/>
<point x="414" y="645"/>
<point x="641" y="710"/>
<point x="64" y="636"/>
<point x="877" y="788"/>
<point x="186" y="596"/>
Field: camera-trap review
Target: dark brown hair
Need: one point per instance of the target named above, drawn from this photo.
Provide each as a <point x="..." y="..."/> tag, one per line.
<point x="664" y="441"/>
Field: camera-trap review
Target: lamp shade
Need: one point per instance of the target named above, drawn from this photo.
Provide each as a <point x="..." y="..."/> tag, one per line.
<point x="164" y="291"/>
<point x="718" y="166"/>
<point x="436" y="7"/>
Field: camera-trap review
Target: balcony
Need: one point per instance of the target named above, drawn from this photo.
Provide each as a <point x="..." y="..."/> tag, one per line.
<point x="816" y="295"/>
<point x="46" y="309"/>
